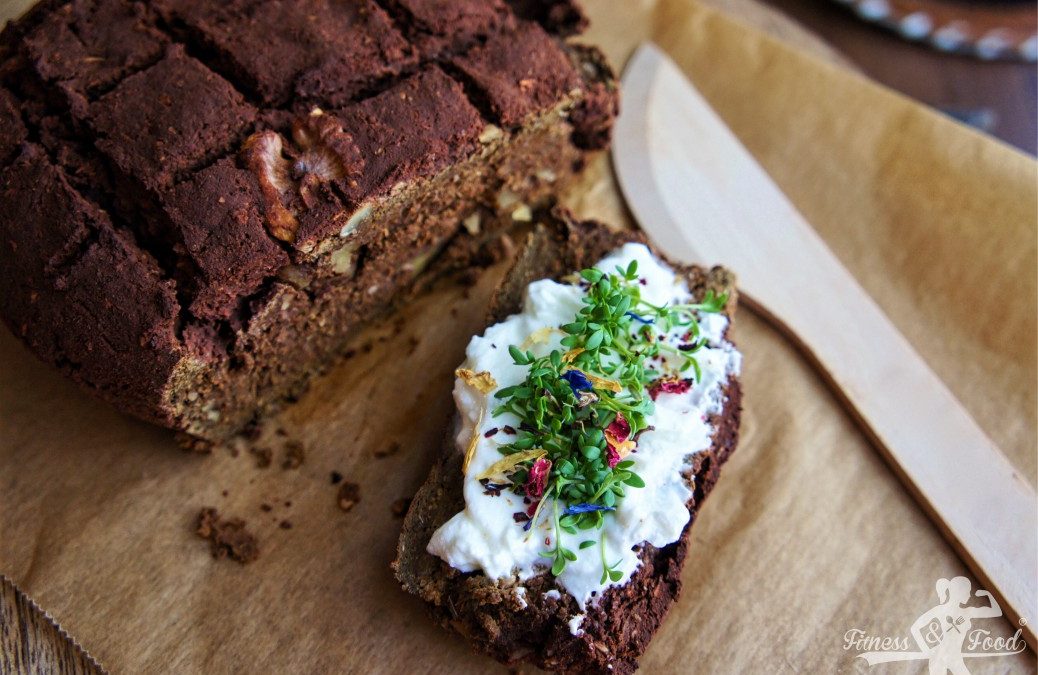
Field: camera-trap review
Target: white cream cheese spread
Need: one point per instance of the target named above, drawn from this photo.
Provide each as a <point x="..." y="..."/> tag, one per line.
<point x="485" y="535"/>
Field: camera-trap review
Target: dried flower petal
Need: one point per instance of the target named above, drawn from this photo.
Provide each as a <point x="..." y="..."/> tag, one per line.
<point x="585" y="507"/>
<point x="482" y="381"/>
<point x="572" y="354"/>
<point x="596" y="381"/>
<point x="470" y="451"/>
<point x="586" y="398"/>
<point x="669" y="385"/>
<point x="538" y="478"/>
<point x="602" y="383"/>
<point x="539" y="336"/>
<point x="618" y="438"/>
<point x="619" y="430"/>
<point x="640" y="318"/>
<point x="578" y="381"/>
<point x="503" y="466"/>
<point x="531" y="511"/>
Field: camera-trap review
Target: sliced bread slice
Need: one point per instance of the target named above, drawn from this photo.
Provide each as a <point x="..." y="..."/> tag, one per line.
<point x="532" y="625"/>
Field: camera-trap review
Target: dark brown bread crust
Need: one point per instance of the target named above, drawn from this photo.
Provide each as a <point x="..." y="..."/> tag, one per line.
<point x="241" y="183"/>
<point x="618" y="629"/>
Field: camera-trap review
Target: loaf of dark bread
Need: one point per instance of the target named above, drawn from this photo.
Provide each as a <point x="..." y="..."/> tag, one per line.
<point x="619" y="626"/>
<point x="201" y="199"/>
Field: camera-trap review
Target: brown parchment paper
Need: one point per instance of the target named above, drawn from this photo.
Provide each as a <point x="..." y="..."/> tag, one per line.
<point x="808" y="535"/>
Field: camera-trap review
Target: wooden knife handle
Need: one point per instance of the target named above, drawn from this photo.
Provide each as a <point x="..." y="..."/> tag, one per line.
<point x="702" y="197"/>
<point x="985" y="508"/>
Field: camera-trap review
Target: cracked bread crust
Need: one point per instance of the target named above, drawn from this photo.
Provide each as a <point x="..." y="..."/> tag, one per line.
<point x="619" y="627"/>
<point x="273" y="174"/>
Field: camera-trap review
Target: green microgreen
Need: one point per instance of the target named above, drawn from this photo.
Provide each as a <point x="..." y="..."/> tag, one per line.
<point x="609" y="572"/>
<point x="611" y="342"/>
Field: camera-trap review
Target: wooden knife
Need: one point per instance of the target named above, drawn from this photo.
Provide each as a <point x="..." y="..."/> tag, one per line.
<point x="703" y="198"/>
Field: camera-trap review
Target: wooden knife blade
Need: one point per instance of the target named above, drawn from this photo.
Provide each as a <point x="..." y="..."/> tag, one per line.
<point x="702" y="197"/>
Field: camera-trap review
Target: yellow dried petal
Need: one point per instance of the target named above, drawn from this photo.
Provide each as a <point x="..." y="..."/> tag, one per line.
<point x="624" y="449"/>
<point x="470" y="451"/>
<point x="572" y="354"/>
<point x="538" y="337"/>
<point x="502" y="466"/>
<point x="572" y="278"/>
<point x="482" y="381"/>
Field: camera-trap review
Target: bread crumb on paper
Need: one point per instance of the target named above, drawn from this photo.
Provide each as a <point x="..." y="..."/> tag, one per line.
<point x="349" y="495"/>
<point x="227" y="538"/>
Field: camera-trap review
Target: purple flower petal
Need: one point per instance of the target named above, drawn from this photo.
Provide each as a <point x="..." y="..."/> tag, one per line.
<point x="578" y="381"/>
<point x="574" y="509"/>
<point x="638" y="317"/>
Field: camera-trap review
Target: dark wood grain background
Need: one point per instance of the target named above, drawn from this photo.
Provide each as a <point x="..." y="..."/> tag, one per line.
<point x="31" y="643"/>
<point x="1000" y="98"/>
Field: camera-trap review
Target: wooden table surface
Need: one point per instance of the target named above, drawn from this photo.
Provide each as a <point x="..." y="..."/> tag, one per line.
<point x="1002" y="96"/>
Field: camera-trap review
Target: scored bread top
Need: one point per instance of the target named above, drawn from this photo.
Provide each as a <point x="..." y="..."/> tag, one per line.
<point x="206" y="145"/>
